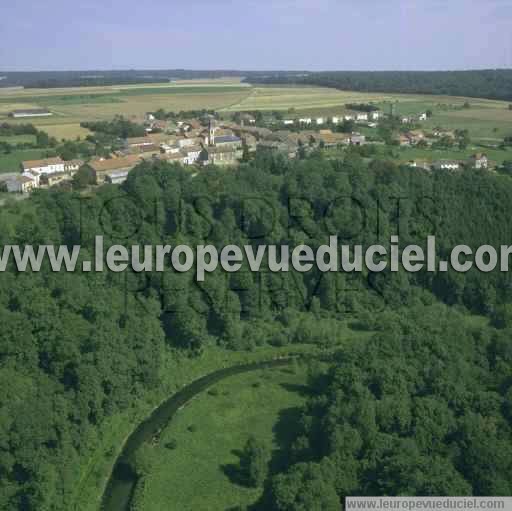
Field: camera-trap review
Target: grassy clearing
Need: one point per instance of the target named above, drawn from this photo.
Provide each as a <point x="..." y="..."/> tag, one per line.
<point x="176" y="372"/>
<point x="11" y="162"/>
<point x="19" y="139"/>
<point x="200" y="474"/>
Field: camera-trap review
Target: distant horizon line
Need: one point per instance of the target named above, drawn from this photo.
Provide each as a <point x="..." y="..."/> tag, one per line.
<point x="234" y="70"/>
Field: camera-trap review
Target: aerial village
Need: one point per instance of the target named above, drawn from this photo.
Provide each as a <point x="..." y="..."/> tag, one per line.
<point x="210" y="140"/>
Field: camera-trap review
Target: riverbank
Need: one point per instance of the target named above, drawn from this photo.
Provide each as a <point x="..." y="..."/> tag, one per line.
<point x="196" y="464"/>
<point x="177" y="371"/>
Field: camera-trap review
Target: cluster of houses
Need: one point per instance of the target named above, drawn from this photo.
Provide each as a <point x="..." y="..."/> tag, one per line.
<point x="411" y="119"/>
<point x="212" y="142"/>
<point x="476" y="161"/>
<point x="191" y="144"/>
<point x="366" y="117"/>
<point x="208" y="141"/>
<point x="42" y="174"/>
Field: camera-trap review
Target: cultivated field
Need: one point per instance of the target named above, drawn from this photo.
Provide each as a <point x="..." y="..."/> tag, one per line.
<point x="486" y="119"/>
<point x="65" y="131"/>
<point x="77" y="104"/>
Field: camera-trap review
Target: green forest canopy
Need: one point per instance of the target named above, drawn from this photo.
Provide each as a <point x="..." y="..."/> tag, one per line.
<point x="405" y="412"/>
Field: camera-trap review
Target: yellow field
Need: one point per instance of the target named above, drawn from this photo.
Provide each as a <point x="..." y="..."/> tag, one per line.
<point x="65" y="131"/>
<point x="311" y="98"/>
<point x="102" y="103"/>
<point x="304" y="98"/>
<point x="485" y="118"/>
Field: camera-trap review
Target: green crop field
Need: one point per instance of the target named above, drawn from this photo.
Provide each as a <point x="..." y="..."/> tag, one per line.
<point x="11" y="162"/>
<point x="18" y="139"/>
<point x="200" y="473"/>
<point x="75" y="105"/>
<point x="485" y="119"/>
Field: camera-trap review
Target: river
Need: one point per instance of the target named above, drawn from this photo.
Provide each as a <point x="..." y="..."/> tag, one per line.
<point x="123" y="479"/>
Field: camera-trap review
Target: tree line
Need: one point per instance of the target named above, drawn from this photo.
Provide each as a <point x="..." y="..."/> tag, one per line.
<point x="489" y="83"/>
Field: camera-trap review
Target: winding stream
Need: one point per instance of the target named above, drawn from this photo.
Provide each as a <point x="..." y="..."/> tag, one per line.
<point x="123" y="480"/>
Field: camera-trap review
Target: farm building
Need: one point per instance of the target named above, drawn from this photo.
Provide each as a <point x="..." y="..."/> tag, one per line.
<point x="330" y="139"/>
<point x="72" y="166"/>
<point x="46" y="166"/>
<point x="116" y="178"/>
<point x="357" y="139"/>
<point x="103" y="169"/>
<point x="479" y="161"/>
<point x="32" y="112"/>
<point x="191" y="154"/>
<point x="138" y="142"/>
<point x="21" y="184"/>
<point x="446" y="165"/>
<point x="48" y="180"/>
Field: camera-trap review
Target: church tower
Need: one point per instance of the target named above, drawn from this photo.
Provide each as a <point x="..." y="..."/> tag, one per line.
<point x="212" y="129"/>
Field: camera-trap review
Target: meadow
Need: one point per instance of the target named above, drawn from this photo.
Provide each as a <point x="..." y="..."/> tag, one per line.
<point x="200" y="474"/>
<point x="11" y="162"/>
<point x="18" y="139"/>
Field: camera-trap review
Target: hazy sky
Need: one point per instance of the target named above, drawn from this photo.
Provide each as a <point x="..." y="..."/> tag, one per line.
<point x="255" y="34"/>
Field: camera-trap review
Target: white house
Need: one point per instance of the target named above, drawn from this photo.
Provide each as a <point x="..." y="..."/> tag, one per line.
<point x="362" y="117"/>
<point x="374" y="116"/>
<point x="116" y="178"/>
<point x="191" y="154"/>
<point x="357" y="139"/>
<point x="320" y="121"/>
<point x="446" y="165"/>
<point x="422" y="117"/>
<point x="20" y="184"/>
<point x="288" y="122"/>
<point x="306" y="120"/>
<point x="72" y="166"/>
<point x="170" y="149"/>
<point x="348" y="117"/>
<point x="479" y="161"/>
<point x="35" y="176"/>
<point x="47" y="166"/>
<point x="335" y="120"/>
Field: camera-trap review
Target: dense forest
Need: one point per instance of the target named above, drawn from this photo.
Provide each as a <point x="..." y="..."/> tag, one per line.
<point x="53" y="79"/>
<point x="489" y="83"/>
<point x="424" y="406"/>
